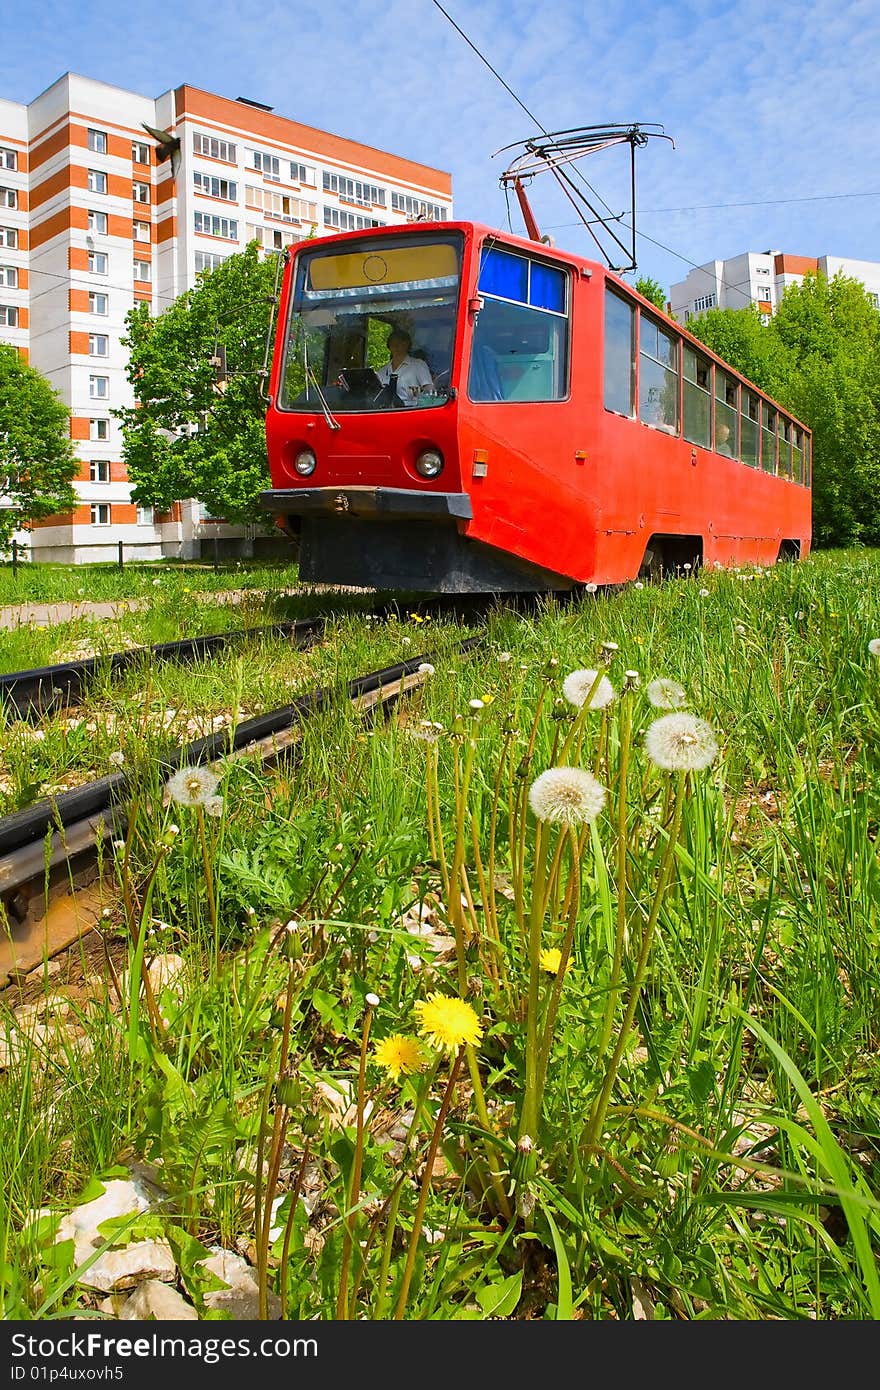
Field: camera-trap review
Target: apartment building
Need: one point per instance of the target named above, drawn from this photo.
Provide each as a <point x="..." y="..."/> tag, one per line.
<point x="760" y="278"/>
<point x="109" y="198"/>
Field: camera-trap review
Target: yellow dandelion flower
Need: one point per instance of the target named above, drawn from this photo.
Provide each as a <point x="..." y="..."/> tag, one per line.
<point x="550" y="960"/>
<point x="487" y="699"/>
<point x="399" y="1055"/>
<point x="448" y="1024"/>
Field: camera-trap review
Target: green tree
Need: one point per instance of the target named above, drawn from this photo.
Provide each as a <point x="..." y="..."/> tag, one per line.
<point x="744" y="340"/>
<point x="831" y="333"/>
<point x="187" y="436"/>
<point x="37" y="462"/>
<point x="651" y="289"/>
<point x="819" y="356"/>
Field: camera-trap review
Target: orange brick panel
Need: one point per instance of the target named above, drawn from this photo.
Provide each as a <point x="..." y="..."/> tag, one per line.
<point x="22" y="279"/>
<point x="79" y="428"/>
<point x="118" y="472"/>
<point x="166" y="230"/>
<point x="24" y="318"/>
<point x="61" y="519"/>
<point x="71" y="176"/>
<point x="124" y="513"/>
<point x="79" y="301"/>
<point x="78" y="258"/>
<point x="56" y="225"/>
<point x="79" y="344"/>
<point x="65" y="135"/>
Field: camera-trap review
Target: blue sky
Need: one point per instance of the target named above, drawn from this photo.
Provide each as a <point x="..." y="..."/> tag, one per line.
<point x="767" y="105"/>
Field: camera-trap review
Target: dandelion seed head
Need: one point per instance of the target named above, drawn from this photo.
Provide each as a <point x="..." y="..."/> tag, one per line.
<point x="681" y="743"/>
<point x="372" y="1000"/>
<point x="663" y="693"/>
<point x="504" y="657"/>
<point x="577" y="686"/>
<point x="704" y="593"/>
<point x="214" y="806"/>
<point x="117" y="757"/>
<point x="874" y="646"/>
<point x="638" y="584"/>
<point x="566" y="795"/>
<point x="192" y="786"/>
<point x="591" y="588"/>
<point x="426" y="669"/>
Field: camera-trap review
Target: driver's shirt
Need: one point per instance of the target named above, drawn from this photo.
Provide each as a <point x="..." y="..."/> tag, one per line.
<point x="411" y="372"/>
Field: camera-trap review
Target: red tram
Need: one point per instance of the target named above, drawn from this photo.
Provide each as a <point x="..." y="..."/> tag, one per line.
<point x="539" y="426"/>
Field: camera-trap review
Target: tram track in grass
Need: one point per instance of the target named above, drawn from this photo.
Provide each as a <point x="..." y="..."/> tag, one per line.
<point x="52" y="853"/>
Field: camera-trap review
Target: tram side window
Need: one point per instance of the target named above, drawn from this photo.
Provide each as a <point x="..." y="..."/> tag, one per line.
<point x="726" y="415"/>
<point x="520" y="343"/>
<point x="797" y="454"/>
<point x="808" y="469"/>
<point x="749" y="428"/>
<point x="620" y="340"/>
<point x="697" y="400"/>
<point x="784" y="448"/>
<point x="768" y="438"/>
<point x="658" y="376"/>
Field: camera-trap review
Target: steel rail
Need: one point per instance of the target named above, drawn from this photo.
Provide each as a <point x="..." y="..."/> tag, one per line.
<point x="48" y="851"/>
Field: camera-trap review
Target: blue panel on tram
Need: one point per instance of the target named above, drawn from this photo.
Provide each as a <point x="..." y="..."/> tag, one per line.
<point x="505" y="276"/>
<point x="547" y="289"/>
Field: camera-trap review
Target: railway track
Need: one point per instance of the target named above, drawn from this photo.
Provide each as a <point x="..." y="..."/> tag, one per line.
<point x="51" y="853"/>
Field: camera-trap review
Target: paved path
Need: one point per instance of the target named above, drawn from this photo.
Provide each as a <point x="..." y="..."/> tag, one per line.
<point x="47" y="614"/>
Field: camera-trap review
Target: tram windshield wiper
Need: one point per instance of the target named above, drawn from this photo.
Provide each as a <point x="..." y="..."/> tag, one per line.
<point x="328" y="415"/>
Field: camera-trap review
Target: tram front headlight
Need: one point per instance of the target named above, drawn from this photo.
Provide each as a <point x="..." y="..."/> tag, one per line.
<point x="305" y="463"/>
<point x="429" y="463"/>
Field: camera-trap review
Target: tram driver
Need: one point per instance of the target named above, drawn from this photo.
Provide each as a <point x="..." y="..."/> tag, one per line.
<point x="412" y="374"/>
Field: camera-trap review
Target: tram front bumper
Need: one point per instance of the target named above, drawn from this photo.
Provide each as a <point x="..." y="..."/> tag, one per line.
<point x="376" y="503"/>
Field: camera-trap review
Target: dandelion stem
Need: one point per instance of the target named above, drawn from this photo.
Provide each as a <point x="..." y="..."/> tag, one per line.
<point x="343" y="1312"/>
<point x="209" y="884"/>
<point x="593" y="1129"/>
<point x="622" y="848"/>
<point x="426" y="1187"/>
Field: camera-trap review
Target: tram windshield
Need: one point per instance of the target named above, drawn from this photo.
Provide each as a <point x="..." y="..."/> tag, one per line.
<point x="372" y="325"/>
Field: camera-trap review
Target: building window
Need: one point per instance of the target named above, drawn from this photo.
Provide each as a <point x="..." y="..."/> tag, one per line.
<point x="8" y="316"/>
<point x="142" y="231"/>
<point x="873" y="299"/>
<point x="140" y="153"/>
<point x="99" y="388"/>
<point x="97" y="181"/>
<point x="216" y="188"/>
<point x="353" y="191"/>
<point x="8" y="197"/>
<point x="268" y="164"/>
<point x="99" y="470"/>
<point x="98" y="303"/>
<point x="145" y="516"/>
<point x="98" y="141"/>
<point x="302" y="173"/>
<point x="99" y="429"/>
<point x="417" y="207"/>
<point x="140" y="192"/>
<point x="658" y="376"/>
<point x="99" y="345"/>
<point x="697" y="398"/>
<point x="764" y="294"/>
<point x="210" y="225"/>
<point x="97" y="222"/>
<point x="349" y="221"/>
<point x="705" y="301"/>
<point x="98" y="262"/>
<point x="214" y="148"/>
<point x="8" y="158"/>
<point x="205" y="260"/>
<point x="142" y="270"/>
<point x="9" y="276"/>
<point x="100" y="513"/>
<point x="9" y="238"/>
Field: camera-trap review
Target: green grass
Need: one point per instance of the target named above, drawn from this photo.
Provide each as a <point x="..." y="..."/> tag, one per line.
<point x="733" y="1173"/>
<point x="48" y="583"/>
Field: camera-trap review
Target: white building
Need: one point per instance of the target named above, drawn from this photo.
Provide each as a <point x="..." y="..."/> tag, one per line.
<point x="97" y="213"/>
<point x="760" y="278"/>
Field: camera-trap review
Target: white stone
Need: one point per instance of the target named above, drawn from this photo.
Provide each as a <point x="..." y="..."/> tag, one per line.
<point x="241" y="1300"/>
<point x="123" y="1269"/>
<point x="154" y="1299"/>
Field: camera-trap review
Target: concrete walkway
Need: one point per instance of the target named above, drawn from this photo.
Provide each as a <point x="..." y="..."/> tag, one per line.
<point x="48" y="614"/>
